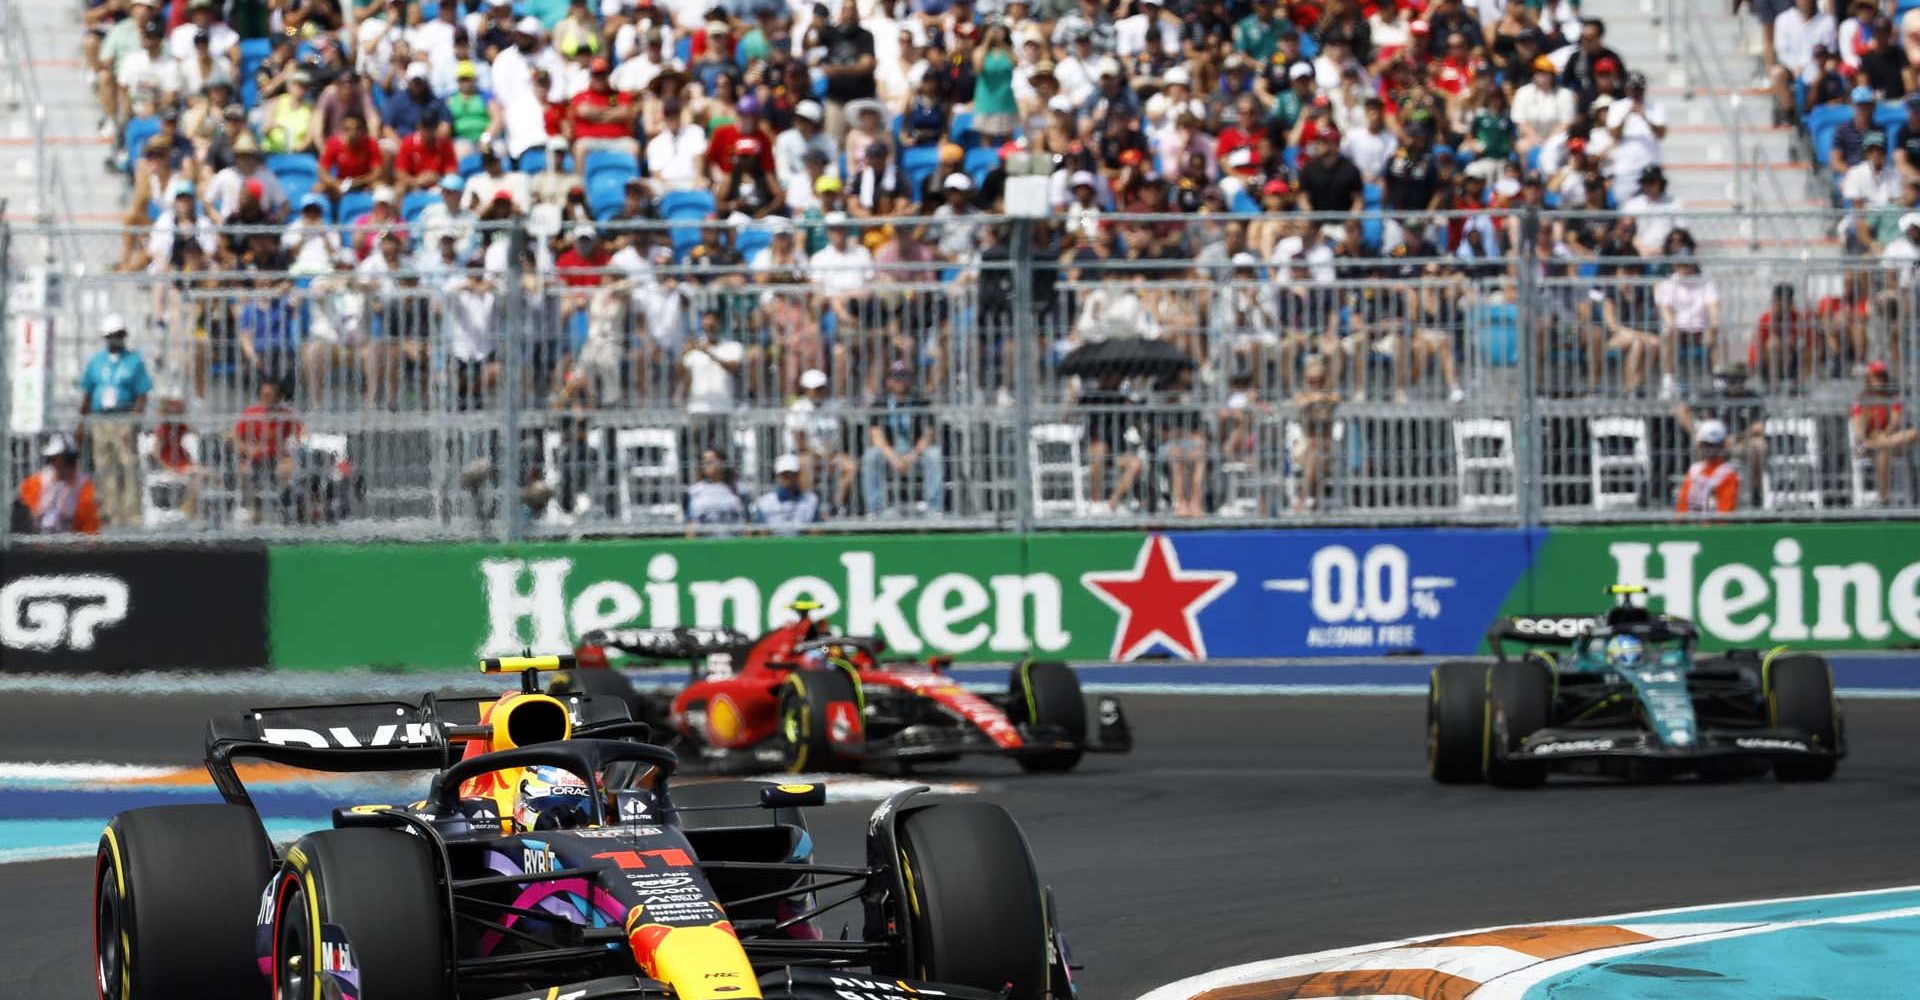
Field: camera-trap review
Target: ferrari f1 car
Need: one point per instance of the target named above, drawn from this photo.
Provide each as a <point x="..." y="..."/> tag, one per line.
<point x="804" y="699"/>
<point x="1624" y="695"/>
<point x="554" y="856"/>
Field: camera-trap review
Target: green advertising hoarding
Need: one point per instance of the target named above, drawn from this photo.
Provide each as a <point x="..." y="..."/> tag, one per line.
<point x="1818" y="586"/>
<point x="979" y="597"/>
<point x="1098" y="597"/>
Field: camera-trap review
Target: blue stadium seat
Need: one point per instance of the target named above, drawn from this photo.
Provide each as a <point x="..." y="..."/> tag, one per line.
<point x="611" y="161"/>
<point x="139" y="130"/>
<point x="1373" y="195"/>
<point x="681" y="206"/>
<point x="469" y="164"/>
<point x="1890" y="115"/>
<point x="297" y="173"/>
<point x="606" y="194"/>
<point x="683" y="48"/>
<point x="353" y="205"/>
<point x="1901" y="7"/>
<point x="253" y="52"/>
<point x="1821" y="123"/>
<point x="980" y="162"/>
<point x="751" y="240"/>
<point x="1498" y="326"/>
<point x="960" y="130"/>
<point x="533" y="160"/>
<point x="416" y="202"/>
<point x="919" y="162"/>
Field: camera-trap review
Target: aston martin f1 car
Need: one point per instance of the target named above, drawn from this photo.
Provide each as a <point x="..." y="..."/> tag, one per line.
<point x="805" y="699"/>
<point x="1624" y="695"/>
<point x="553" y="855"/>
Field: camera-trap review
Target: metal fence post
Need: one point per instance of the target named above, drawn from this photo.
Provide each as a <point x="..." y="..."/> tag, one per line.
<point x="1526" y="430"/>
<point x="1021" y="342"/>
<point x="6" y="377"/>
<point x="512" y="344"/>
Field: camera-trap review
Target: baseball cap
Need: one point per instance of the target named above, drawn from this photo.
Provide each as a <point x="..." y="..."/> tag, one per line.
<point x="835" y="218"/>
<point x="813" y="378"/>
<point x="453" y="182"/>
<point x="113" y="325"/>
<point x="58" y="444"/>
<point x="1109" y="67"/>
<point x="810" y="110"/>
<point x="1277" y="186"/>
<point x="1873" y="140"/>
<point x="1083" y="178"/>
<point x="1179" y="75"/>
<point x="1877" y="368"/>
<point x="311" y="200"/>
<point x="1240" y="159"/>
<point x="383" y="195"/>
<point x="1061" y="103"/>
<point x="585" y="234"/>
<point x="466" y="71"/>
<point x="599" y="67"/>
<point x="1711" y="432"/>
<point x="786" y="464"/>
<point x="1863" y="95"/>
<point x="827" y="183"/>
<point x="1300" y="71"/>
<point x="900" y="369"/>
<point x="1607" y="64"/>
<point x="417" y="71"/>
<point x="529" y="25"/>
<point x="1544" y="64"/>
<point x="957" y="182"/>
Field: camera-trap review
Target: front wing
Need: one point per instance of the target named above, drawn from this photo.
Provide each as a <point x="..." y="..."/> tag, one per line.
<point x="1553" y="745"/>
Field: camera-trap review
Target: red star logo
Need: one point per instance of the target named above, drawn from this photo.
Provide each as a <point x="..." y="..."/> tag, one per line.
<point x="1157" y="601"/>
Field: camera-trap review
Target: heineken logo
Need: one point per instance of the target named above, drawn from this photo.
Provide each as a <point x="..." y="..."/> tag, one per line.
<point x="1795" y="598"/>
<point x="538" y="604"/>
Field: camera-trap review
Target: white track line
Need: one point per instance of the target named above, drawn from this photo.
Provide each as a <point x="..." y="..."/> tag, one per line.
<point x="74" y="771"/>
<point x="1275" y="968"/>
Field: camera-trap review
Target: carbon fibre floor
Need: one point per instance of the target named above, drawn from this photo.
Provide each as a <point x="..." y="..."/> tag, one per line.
<point x="1244" y="828"/>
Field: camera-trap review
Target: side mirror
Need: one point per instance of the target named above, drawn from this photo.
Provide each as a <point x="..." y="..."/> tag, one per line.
<point x="782" y="796"/>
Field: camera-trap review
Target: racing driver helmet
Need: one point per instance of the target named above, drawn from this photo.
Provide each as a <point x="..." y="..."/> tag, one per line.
<point x="551" y="798"/>
<point x="1626" y="652"/>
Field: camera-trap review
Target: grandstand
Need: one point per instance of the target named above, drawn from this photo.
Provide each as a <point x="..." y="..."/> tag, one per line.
<point x="514" y="268"/>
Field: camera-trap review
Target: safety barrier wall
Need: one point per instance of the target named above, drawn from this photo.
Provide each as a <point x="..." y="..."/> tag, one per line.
<point x="1100" y="597"/>
<point x="494" y="399"/>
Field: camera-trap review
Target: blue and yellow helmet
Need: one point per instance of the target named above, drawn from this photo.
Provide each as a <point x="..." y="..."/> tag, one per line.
<point x="1626" y="651"/>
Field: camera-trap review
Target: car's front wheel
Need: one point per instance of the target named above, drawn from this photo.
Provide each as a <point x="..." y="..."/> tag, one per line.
<point x="1456" y="721"/>
<point x="1519" y="703"/>
<point x="822" y="727"/>
<point x="976" y="911"/>
<point x="1800" y="696"/>
<point x="359" y="907"/>
<point x="1048" y="694"/>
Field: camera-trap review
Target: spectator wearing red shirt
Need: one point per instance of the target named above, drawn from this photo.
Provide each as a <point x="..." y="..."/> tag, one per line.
<point x="580" y="264"/>
<point x="263" y="440"/>
<point x="350" y="159"/>
<point x="426" y="155"/>
<point x="1880" y="427"/>
<point x="728" y="141"/>
<point x="1785" y="340"/>
<point x="602" y="117"/>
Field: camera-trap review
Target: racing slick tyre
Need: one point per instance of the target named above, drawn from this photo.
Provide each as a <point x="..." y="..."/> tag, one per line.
<point x="975" y="909"/>
<point x="1048" y="694"/>
<point x="806" y="719"/>
<point x="1800" y="696"/>
<point x="1456" y="722"/>
<point x="1519" y="700"/>
<point x="176" y="891"/>
<point x="360" y="899"/>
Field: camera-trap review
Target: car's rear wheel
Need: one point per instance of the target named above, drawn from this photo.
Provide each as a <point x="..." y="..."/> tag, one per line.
<point x="365" y="900"/>
<point x="1519" y="702"/>
<point x="1800" y="696"/>
<point x="821" y="723"/>
<point x="176" y="891"/>
<point x="975" y="908"/>
<point x="1456" y="722"/>
<point x="1048" y="694"/>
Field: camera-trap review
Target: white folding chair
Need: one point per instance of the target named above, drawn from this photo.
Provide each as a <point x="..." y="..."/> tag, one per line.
<point x="1059" y="477"/>
<point x="647" y="462"/>
<point x="1791" y="476"/>
<point x="1863" y="487"/>
<point x="1622" y="463"/>
<point x="1484" y="464"/>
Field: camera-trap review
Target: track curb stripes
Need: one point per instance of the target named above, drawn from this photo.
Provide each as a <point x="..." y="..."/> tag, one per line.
<point x="1447" y="961"/>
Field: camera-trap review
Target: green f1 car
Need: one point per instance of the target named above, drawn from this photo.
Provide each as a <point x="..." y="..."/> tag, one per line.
<point x="1624" y="695"/>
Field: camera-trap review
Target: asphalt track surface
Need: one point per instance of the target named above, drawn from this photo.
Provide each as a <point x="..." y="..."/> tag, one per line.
<point x="1243" y="828"/>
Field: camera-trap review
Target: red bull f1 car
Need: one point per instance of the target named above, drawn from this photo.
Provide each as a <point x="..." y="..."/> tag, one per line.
<point x="804" y="699"/>
<point x="553" y="855"/>
<point x="1623" y="694"/>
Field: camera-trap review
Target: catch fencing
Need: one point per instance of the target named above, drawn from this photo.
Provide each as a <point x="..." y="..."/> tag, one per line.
<point x="1108" y="371"/>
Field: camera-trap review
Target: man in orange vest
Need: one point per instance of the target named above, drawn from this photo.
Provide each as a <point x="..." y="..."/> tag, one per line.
<point x="1712" y="484"/>
<point x="59" y="498"/>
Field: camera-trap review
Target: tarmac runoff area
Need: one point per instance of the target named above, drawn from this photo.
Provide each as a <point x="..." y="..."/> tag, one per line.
<point x="1269" y="823"/>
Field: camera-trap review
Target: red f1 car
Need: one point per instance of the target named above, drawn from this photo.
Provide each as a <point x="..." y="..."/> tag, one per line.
<point x="805" y="699"/>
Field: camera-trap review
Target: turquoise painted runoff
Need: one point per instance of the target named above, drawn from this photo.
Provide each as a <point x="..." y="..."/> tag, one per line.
<point x="1788" y="911"/>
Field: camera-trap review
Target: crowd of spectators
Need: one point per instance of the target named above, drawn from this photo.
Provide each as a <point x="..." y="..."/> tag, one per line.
<point x="769" y="203"/>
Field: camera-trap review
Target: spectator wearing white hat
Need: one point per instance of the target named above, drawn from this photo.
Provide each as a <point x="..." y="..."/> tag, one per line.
<point x="789" y="507"/>
<point x="790" y="147"/>
<point x="956" y="240"/>
<point x="816" y="432"/>
<point x="522" y="106"/>
<point x="1712" y="484"/>
<point x="59" y="498"/>
<point x="114" y="385"/>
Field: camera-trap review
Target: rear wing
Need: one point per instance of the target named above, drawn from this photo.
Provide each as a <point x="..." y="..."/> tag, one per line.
<point x="681" y="643"/>
<point x="376" y="735"/>
<point x="1539" y="630"/>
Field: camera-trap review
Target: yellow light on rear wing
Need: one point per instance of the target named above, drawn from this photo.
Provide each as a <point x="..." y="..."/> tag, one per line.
<point x="516" y="664"/>
<point x="1621" y="589"/>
